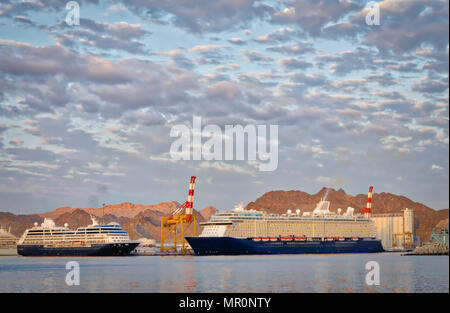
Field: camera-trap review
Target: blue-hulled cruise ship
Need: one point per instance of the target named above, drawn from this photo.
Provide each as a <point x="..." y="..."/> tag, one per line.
<point x="93" y="240"/>
<point x="241" y="231"/>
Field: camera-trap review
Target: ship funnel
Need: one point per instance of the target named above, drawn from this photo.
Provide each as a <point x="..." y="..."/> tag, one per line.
<point x="94" y="221"/>
<point x="350" y="211"/>
<point x="48" y="223"/>
<point x="322" y="208"/>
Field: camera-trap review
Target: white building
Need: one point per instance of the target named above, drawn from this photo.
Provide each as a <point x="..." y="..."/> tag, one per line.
<point x="396" y="230"/>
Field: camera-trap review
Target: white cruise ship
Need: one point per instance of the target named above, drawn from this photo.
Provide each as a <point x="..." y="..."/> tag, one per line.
<point x="242" y="231"/>
<point x="93" y="240"/>
<point x="8" y="243"/>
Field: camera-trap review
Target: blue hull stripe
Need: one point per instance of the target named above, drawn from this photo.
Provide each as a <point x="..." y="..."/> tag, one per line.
<point x="234" y="246"/>
<point x="110" y="249"/>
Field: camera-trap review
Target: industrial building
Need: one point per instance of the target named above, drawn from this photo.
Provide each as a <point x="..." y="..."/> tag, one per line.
<point x="395" y="230"/>
<point x="440" y="232"/>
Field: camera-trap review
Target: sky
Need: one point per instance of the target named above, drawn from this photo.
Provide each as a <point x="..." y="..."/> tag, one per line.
<point x="86" y="110"/>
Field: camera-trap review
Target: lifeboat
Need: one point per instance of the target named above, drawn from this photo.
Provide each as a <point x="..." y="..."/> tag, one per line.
<point x="329" y="239"/>
<point x="355" y="238"/>
<point x="256" y="239"/>
<point x="288" y="238"/>
<point x="341" y="239"/>
<point x="265" y="239"/>
<point x="273" y="239"/>
<point x="300" y="238"/>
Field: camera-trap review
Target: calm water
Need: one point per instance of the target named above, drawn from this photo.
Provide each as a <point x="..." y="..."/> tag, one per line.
<point x="276" y="273"/>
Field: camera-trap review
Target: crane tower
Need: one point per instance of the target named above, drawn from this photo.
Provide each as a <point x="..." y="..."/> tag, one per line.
<point x="368" y="209"/>
<point x="175" y="225"/>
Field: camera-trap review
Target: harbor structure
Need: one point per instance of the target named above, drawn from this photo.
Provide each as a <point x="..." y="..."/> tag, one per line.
<point x="174" y="226"/>
<point x="440" y="233"/>
<point x="395" y="230"/>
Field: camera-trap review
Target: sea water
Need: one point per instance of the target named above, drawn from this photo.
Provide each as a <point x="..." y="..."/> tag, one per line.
<point x="234" y="274"/>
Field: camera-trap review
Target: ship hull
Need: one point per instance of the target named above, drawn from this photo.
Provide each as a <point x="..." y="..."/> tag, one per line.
<point x="236" y="246"/>
<point x="110" y="249"/>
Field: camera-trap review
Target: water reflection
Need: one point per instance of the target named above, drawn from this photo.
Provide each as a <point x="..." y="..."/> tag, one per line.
<point x="293" y="273"/>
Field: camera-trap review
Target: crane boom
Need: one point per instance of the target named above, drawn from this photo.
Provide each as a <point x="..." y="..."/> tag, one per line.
<point x="182" y="217"/>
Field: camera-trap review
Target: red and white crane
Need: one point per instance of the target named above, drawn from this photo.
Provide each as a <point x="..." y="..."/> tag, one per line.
<point x="368" y="208"/>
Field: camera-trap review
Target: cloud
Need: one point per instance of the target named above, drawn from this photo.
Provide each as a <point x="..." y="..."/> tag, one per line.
<point x="16" y="142"/>
<point x="347" y="62"/>
<point x="348" y="112"/>
<point x="437" y="167"/>
<point x="226" y="90"/>
<point x="123" y="30"/>
<point x="294" y="49"/>
<point x="431" y="86"/>
<point x="116" y="7"/>
<point x="95" y="107"/>
<point x="23" y="19"/>
<point x="407" y="25"/>
<point x="278" y="35"/>
<point x="207" y="48"/>
<point x="255" y="56"/>
<point x="204" y="17"/>
<point x="322" y="179"/>
<point x="237" y="41"/>
<point x="311" y="16"/>
<point x="294" y="63"/>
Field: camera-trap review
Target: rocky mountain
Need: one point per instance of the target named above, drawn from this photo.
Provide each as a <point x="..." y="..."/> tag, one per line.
<point x="148" y="224"/>
<point x="280" y="201"/>
<point x="18" y="223"/>
<point x="124" y="209"/>
<point x="140" y="221"/>
<point x="208" y="212"/>
<point x="145" y="220"/>
<point x="442" y="224"/>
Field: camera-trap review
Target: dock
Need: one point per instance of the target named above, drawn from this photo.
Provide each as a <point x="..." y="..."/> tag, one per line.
<point x="156" y="251"/>
<point x="430" y="249"/>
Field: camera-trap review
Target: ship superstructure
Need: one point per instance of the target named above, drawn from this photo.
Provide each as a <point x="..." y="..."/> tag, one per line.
<point x="241" y="231"/>
<point x="8" y="242"/>
<point x="95" y="239"/>
<point x="240" y="223"/>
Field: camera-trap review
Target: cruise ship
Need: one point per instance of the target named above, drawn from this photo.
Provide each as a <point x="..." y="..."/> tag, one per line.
<point x="93" y="240"/>
<point x="8" y="243"/>
<point x="242" y="231"/>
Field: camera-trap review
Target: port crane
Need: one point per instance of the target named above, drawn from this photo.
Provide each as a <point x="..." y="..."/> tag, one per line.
<point x="368" y="209"/>
<point x="176" y="224"/>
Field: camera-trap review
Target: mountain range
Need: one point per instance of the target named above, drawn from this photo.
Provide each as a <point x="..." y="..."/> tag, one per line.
<point x="145" y="220"/>
<point x="279" y="201"/>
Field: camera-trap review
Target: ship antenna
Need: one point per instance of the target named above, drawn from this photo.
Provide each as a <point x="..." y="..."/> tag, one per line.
<point x="103" y="214"/>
